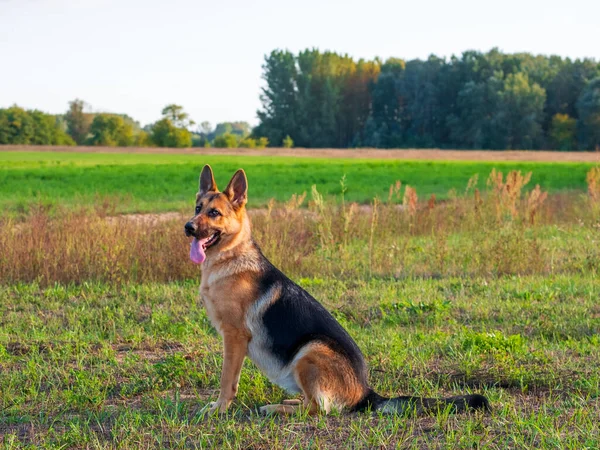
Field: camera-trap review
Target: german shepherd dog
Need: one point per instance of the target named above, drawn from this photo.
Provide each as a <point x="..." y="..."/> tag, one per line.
<point x="262" y="314"/>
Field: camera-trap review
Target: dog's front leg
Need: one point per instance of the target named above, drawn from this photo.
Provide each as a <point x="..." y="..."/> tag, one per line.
<point x="235" y="347"/>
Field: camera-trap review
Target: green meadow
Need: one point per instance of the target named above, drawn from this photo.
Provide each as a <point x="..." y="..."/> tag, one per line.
<point x="99" y="366"/>
<point x="159" y="183"/>
<point x="105" y="344"/>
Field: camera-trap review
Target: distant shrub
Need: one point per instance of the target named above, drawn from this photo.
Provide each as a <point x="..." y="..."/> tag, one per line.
<point x="248" y="143"/>
<point x="287" y="142"/>
<point x="111" y="130"/>
<point x="166" y="134"/>
<point x="200" y="141"/>
<point x="172" y="130"/>
<point x="226" y="140"/>
<point x="262" y="142"/>
<point x="562" y="132"/>
<point x="142" y="139"/>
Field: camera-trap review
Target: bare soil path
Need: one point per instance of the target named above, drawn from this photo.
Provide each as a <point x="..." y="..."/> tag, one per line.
<point x="367" y="153"/>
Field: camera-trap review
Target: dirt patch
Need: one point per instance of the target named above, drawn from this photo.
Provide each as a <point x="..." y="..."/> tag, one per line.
<point x="365" y="153"/>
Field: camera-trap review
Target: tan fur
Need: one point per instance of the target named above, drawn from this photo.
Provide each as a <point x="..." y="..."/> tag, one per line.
<point x="234" y="305"/>
<point x="327" y="379"/>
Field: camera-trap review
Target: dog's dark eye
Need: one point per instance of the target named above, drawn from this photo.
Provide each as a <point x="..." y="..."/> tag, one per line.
<point x="198" y="208"/>
<point x="213" y="213"/>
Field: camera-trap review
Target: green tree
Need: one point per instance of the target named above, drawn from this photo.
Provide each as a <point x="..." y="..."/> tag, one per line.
<point x="521" y="109"/>
<point x="262" y="142"/>
<point x="226" y="140"/>
<point x="18" y="126"/>
<point x="172" y="129"/>
<point x="565" y="88"/>
<point x="142" y="139"/>
<point x="165" y="134"/>
<point x="279" y="97"/>
<point x="472" y="125"/>
<point x="475" y="100"/>
<point x="200" y="140"/>
<point x="78" y="122"/>
<point x="287" y="142"/>
<point x="383" y="128"/>
<point x="563" y="131"/>
<point x="177" y="116"/>
<point x="588" y="107"/>
<point x="247" y="142"/>
<point x="48" y="130"/>
<point x="239" y="129"/>
<point x="111" y="130"/>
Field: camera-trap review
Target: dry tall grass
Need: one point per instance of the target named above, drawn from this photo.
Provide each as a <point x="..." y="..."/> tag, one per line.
<point x="501" y="231"/>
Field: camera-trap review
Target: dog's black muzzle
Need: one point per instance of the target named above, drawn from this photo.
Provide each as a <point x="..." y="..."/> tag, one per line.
<point x="189" y="229"/>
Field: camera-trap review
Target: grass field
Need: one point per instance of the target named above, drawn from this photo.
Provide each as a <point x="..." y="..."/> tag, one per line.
<point x="94" y="366"/>
<point x="167" y="182"/>
<point x="105" y="344"/>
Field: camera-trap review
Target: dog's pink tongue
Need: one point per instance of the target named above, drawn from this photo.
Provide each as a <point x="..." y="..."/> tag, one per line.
<point x="197" y="254"/>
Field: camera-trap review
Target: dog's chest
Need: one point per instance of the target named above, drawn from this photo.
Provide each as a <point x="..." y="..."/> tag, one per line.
<point x="214" y="309"/>
<point x="226" y="297"/>
<point x="228" y="304"/>
<point x="260" y="347"/>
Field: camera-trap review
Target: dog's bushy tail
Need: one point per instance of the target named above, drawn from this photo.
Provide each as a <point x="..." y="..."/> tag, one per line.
<point x="419" y="405"/>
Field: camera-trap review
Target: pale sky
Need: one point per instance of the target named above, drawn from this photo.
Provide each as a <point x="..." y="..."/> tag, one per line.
<point x="136" y="56"/>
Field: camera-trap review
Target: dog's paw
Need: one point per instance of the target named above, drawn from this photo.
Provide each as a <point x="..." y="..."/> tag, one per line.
<point x="208" y="409"/>
<point x="212" y="408"/>
<point x="278" y="409"/>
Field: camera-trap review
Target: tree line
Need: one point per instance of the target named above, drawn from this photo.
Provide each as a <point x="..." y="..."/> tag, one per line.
<point x="320" y="99"/>
<point x="476" y="100"/>
<point x="79" y="127"/>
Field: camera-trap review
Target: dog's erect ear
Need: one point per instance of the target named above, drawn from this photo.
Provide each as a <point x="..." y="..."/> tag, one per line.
<point x="237" y="189"/>
<point x="207" y="181"/>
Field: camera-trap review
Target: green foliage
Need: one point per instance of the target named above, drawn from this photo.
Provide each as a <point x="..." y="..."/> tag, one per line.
<point x="247" y="143"/>
<point x="487" y="342"/>
<point x="165" y="134"/>
<point x="521" y="112"/>
<point x="239" y="129"/>
<point x="111" y="130"/>
<point x="287" y="142"/>
<point x="226" y="140"/>
<point x="78" y="122"/>
<point x="128" y="380"/>
<point x="16" y="126"/>
<point x="171" y="130"/>
<point x="477" y="100"/>
<point x="253" y="142"/>
<point x="588" y="107"/>
<point x="177" y="116"/>
<point x="563" y="131"/>
<point x="262" y="142"/>
<point x="48" y="130"/>
<point x="21" y="127"/>
<point x="142" y="139"/>
<point x="200" y="140"/>
<point x="279" y="97"/>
